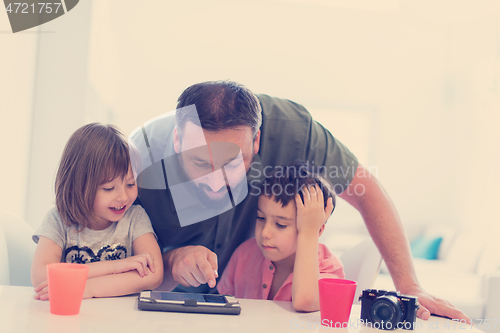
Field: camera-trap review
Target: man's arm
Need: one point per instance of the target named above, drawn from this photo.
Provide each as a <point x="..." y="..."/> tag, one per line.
<point x="368" y="196"/>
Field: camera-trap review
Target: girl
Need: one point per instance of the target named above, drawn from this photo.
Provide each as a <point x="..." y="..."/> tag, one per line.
<point x="94" y="222"/>
<point x="285" y="259"/>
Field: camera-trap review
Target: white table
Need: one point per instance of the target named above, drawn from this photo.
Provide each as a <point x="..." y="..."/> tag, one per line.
<point x="20" y="312"/>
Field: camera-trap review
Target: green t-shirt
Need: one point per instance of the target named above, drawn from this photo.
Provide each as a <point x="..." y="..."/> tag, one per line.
<point x="288" y="132"/>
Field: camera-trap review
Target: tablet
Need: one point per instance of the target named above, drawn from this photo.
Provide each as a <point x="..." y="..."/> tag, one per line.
<point x="187" y="302"/>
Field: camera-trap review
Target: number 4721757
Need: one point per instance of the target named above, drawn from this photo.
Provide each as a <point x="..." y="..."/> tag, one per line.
<point x="25" y="8"/>
<point x="478" y="323"/>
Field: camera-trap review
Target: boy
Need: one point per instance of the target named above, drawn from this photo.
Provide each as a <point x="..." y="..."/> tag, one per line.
<point x="285" y="259"/>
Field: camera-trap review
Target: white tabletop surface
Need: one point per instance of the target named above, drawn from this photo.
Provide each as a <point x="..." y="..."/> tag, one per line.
<point x="20" y="312"/>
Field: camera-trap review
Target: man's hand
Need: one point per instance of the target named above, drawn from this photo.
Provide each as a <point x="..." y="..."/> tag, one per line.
<point x="431" y="304"/>
<point x="193" y="266"/>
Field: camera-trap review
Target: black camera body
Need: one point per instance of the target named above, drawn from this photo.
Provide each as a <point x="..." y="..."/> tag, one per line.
<point x="388" y="310"/>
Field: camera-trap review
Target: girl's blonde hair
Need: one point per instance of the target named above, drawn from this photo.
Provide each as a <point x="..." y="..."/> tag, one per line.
<point x="95" y="154"/>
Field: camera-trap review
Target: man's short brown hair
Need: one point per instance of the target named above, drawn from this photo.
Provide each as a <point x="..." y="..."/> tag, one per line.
<point x="220" y="105"/>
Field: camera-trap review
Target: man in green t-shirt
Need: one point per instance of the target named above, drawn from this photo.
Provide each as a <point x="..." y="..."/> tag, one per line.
<point x="191" y="183"/>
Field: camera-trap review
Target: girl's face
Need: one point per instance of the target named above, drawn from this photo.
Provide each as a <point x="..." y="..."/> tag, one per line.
<point x="112" y="200"/>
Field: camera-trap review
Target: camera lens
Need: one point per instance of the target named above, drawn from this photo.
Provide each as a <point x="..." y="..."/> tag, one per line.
<point x="384" y="313"/>
<point x="388" y="311"/>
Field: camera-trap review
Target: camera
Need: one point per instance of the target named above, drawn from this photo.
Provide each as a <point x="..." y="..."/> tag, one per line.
<point x="388" y="310"/>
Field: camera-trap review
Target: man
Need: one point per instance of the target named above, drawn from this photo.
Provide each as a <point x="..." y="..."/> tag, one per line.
<point x="201" y="212"/>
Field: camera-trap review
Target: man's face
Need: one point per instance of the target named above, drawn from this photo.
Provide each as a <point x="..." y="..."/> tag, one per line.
<point x="203" y="152"/>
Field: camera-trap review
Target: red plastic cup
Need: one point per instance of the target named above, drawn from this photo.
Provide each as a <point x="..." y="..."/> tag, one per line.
<point x="66" y="286"/>
<point x="335" y="301"/>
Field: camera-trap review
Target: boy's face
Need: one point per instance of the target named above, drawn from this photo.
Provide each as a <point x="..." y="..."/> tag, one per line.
<point x="276" y="229"/>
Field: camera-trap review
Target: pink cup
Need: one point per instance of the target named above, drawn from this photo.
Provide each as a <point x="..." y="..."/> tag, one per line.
<point x="335" y="301"/>
<point x="66" y="287"/>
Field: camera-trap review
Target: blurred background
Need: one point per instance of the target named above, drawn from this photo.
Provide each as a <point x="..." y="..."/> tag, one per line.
<point x="411" y="87"/>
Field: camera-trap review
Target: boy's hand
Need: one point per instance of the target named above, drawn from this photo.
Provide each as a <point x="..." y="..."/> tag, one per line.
<point x="312" y="213"/>
<point x="139" y="262"/>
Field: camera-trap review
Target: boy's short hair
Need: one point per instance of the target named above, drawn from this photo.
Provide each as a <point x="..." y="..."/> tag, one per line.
<point x="284" y="183"/>
<point x="94" y="155"/>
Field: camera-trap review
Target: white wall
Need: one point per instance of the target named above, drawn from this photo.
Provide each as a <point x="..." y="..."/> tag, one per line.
<point x="59" y="102"/>
<point x="429" y="70"/>
<point x="43" y="102"/>
<point x="17" y="67"/>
